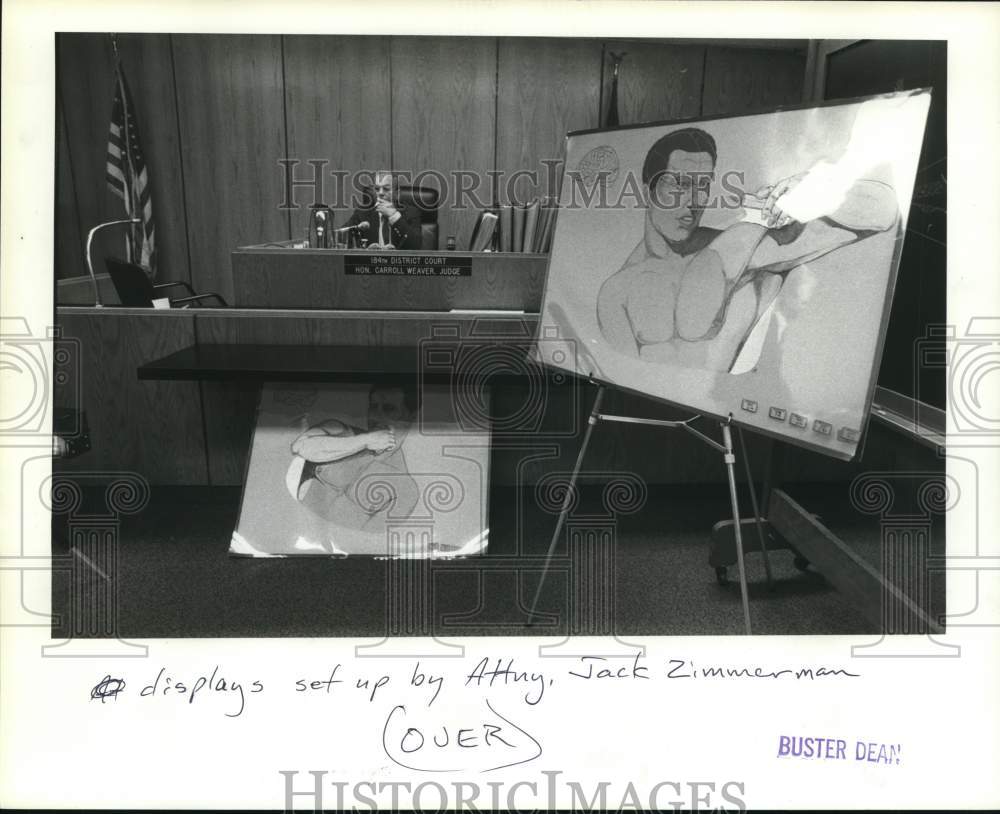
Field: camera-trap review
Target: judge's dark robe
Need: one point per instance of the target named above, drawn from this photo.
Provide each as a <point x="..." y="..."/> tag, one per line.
<point x="403" y="234"/>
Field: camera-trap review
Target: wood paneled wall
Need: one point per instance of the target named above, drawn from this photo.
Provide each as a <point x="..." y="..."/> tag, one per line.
<point x="217" y="113"/>
<point x="546" y="88"/>
<point x="655" y="83"/>
<point x="230" y="110"/>
<point x="84" y="95"/>
<point x="149" y="427"/>
<point x="337" y="97"/>
<point x="444" y="114"/>
<point x="735" y="83"/>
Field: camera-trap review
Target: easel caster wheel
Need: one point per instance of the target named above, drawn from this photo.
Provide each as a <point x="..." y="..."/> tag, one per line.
<point x="801" y="563"/>
<point x="720" y="575"/>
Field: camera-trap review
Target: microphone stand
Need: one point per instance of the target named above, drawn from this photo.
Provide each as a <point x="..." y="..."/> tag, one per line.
<point x="90" y="265"/>
<point x="350" y="234"/>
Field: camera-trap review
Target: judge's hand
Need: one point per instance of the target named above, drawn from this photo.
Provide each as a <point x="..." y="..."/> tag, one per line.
<point x="381" y="440"/>
<point x="388" y="209"/>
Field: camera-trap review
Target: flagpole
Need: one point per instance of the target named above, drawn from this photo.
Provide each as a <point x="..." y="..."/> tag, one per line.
<point x="611" y="117"/>
<point x="130" y="209"/>
<point x="126" y="170"/>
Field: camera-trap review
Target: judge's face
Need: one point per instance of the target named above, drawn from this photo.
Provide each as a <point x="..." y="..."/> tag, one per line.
<point x="678" y="197"/>
<point x="383" y="187"/>
<point x="387" y="409"/>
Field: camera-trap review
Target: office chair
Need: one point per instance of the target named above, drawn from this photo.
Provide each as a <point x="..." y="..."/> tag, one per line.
<point x="426" y="200"/>
<point x="136" y="290"/>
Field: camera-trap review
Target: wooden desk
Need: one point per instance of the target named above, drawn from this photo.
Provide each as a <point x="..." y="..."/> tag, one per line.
<point x="199" y="399"/>
<point x="345" y="363"/>
<point x="281" y="363"/>
<point x="520" y="389"/>
<point x="280" y="277"/>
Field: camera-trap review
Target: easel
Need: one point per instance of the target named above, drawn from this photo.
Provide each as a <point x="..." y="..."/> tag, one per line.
<point x="729" y="457"/>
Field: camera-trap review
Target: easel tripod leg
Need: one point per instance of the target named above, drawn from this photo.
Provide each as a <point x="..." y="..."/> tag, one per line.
<point x="756" y="511"/>
<point x="567" y="500"/>
<point x="730" y="458"/>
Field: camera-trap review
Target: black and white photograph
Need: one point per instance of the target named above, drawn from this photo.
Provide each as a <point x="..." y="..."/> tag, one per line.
<point x="498" y="387"/>
<point x="523" y="234"/>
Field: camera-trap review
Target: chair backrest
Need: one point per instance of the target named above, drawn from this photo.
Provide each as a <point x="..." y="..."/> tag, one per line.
<point x="426" y="200"/>
<point x="135" y="289"/>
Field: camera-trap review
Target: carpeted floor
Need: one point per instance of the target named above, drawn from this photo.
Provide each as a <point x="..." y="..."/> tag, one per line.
<point x="173" y="577"/>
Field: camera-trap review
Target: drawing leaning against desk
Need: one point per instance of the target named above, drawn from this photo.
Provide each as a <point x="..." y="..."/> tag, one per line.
<point x="377" y="470"/>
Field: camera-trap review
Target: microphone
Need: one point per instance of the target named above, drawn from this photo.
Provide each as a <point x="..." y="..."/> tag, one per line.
<point x="356" y="227"/>
<point x="87" y="253"/>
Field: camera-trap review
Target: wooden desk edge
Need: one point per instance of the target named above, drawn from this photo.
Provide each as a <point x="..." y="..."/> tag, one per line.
<point x="310" y="313"/>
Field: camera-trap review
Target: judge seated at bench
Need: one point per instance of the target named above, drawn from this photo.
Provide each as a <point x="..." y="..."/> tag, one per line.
<point x="391" y="225"/>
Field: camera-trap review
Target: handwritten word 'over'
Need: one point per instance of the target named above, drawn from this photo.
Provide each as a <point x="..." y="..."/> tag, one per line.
<point x="481" y="741"/>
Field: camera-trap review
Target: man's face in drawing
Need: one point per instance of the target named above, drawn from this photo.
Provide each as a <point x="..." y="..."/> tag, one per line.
<point x="679" y="195"/>
<point x="387" y="409"/>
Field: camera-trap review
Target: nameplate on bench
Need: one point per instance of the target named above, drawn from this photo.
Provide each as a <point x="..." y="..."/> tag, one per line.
<point x="407" y="265"/>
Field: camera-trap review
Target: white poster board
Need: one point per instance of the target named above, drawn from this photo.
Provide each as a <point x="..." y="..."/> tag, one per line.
<point x="377" y="469"/>
<point x="737" y="266"/>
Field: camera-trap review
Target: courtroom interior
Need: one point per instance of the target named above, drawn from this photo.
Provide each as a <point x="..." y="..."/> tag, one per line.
<point x="274" y="226"/>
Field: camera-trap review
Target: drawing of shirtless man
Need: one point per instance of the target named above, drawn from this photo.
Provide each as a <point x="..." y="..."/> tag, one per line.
<point x="690" y="295"/>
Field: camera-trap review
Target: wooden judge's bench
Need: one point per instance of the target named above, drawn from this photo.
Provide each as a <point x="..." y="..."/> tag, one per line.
<point x="272" y="276"/>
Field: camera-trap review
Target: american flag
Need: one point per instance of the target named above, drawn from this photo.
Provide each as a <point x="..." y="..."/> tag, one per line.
<point x="127" y="178"/>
